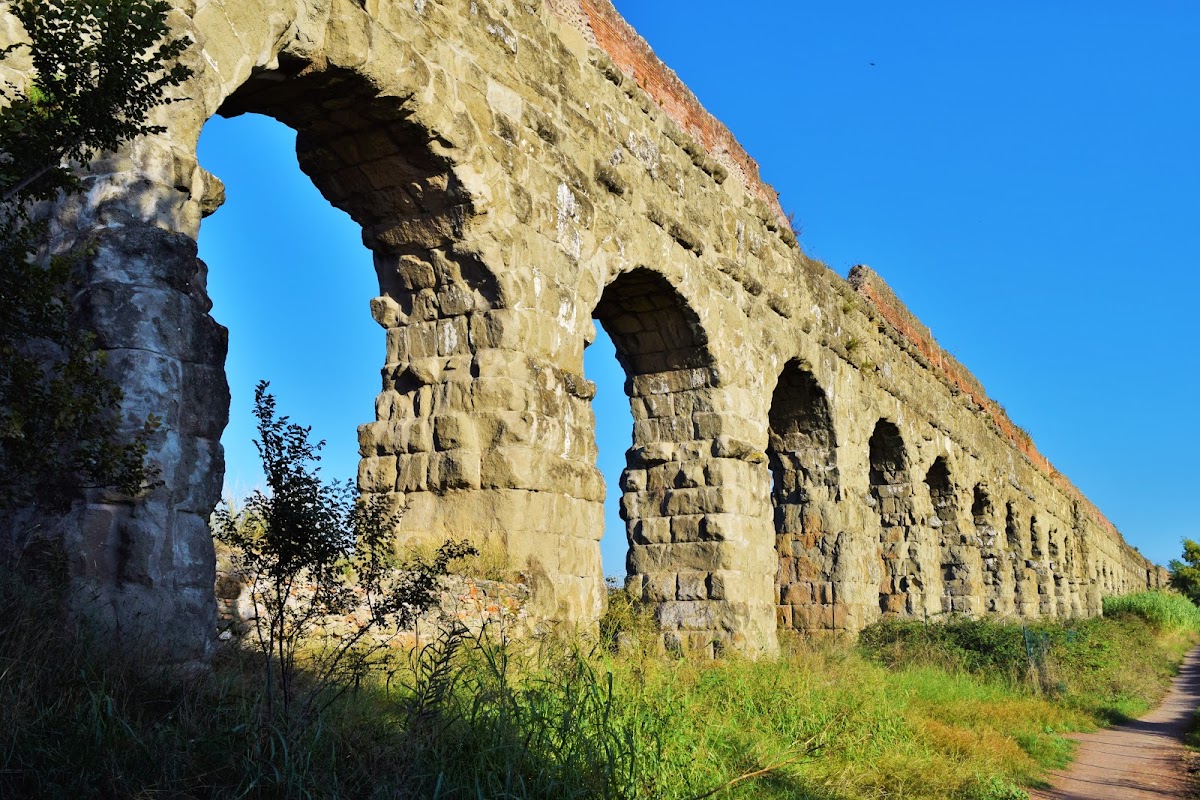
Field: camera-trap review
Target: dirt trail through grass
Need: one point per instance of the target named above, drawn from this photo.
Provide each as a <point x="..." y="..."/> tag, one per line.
<point x="1140" y="760"/>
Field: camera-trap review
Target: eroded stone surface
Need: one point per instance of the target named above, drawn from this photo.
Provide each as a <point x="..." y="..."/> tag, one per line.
<point x="804" y="454"/>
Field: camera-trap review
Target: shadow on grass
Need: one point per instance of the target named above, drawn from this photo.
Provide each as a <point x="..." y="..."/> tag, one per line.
<point x="784" y="785"/>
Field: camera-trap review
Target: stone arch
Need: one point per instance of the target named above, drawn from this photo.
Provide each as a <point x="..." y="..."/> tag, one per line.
<point x="674" y="501"/>
<point x="959" y="552"/>
<point x="1039" y="564"/>
<point x="1024" y="576"/>
<point x="655" y="332"/>
<point x="802" y="455"/>
<point x="996" y="575"/>
<point x="367" y="156"/>
<point x="372" y="152"/>
<point x="902" y="588"/>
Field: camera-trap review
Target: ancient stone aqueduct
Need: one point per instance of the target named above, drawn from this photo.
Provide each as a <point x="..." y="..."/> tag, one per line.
<point x="804" y="454"/>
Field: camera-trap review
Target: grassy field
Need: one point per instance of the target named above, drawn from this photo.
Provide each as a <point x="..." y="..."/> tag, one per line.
<point x="969" y="709"/>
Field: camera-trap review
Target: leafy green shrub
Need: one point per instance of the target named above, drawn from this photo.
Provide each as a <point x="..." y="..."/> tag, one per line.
<point x="311" y="551"/>
<point x="972" y="645"/>
<point x="97" y="69"/>
<point x="1185" y="574"/>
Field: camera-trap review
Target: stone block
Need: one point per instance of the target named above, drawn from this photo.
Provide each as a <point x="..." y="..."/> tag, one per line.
<point x="651" y="530"/>
<point x="650" y="454"/>
<point x="699" y="556"/>
<point x="453" y="432"/>
<point x="455" y="469"/>
<point x="657" y="405"/>
<point x="388" y="313"/>
<point x="687" y="528"/>
<point x="510" y="467"/>
<point x="374" y="439"/>
<point x="796" y="594"/>
<point x="579" y="557"/>
<point x="659" y="587"/>
<point x="690" y="475"/>
<point x="696" y="615"/>
<point x="636" y="505"/>
<point x="412" y="472"/>
<point x="452" y="337"/>
<point x="634" y="480"/>
<point x="661" y="477"/>
<point x="499" y="394"/>
<point x="727" y="585"/>
<point x="733" y="472"/>
<point x="377" y="474"/>
<point x="692" y="586"/>
<point x="696" y="501"/>
<point x="414" y="436"/>
<point x="497" y="328"/>
<point x="193" y="560"/>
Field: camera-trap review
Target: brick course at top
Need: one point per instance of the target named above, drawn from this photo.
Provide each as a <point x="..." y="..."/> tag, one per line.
<point x="609" y="31"/>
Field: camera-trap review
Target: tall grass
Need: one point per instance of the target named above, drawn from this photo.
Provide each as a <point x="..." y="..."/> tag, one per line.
<point x="1166" y="611"/>
<point x="939" y="711"/>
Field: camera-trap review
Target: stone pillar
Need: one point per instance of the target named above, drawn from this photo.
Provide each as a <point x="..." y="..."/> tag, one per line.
<point x="143" y="567"/>
<point x="478" y="438"/>
<point x="695" y="499"/>
<point x="958" y="545"/>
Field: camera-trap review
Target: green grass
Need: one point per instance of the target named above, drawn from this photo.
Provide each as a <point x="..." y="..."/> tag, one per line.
<point x="912" y="711"/>
<point x="1166" y="611"/>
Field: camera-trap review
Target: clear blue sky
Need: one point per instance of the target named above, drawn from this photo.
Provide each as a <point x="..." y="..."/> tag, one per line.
<point x="1026" y="176"/>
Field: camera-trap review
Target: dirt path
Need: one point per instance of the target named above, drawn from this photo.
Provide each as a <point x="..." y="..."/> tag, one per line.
<point x="1142" y="760"/>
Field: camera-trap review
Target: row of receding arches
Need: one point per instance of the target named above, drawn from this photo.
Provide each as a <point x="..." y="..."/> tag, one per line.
<point x="931" y="556"/>
<point x="928" y="564"/>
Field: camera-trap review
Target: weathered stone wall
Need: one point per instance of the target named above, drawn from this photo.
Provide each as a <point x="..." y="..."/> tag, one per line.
<point x="470" y="604"/>
<point x="803" y="453"/>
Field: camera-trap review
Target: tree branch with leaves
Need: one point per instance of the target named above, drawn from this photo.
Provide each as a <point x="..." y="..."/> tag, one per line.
<point x="98" y="68"/>
<point x="312" y="551"/>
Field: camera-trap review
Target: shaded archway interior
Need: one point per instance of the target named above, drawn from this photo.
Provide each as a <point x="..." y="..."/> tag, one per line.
<point x="662" y="347"/>
<point x="958" y="548"/>
<point x="901" y="589"/>
<point x="801" y="453"/>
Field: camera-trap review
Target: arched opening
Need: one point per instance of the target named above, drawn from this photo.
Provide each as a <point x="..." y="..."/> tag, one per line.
<point x="801" y="452"/>
<point x="659" y="342"/>
<point x="901" y="590"/>
<point x="1056" y="569"/>
<point x="614" y="426"/>
<point x="996" y="598"/>
<point x="1040" y="568"/>
<point x="981" y="503"/>
<point x="279" y="252"/>
<point x="953" y="544"/>
<point x="366" y="157"/>
<point x="656" y="335"/>
<point x="1012" y="533"/>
